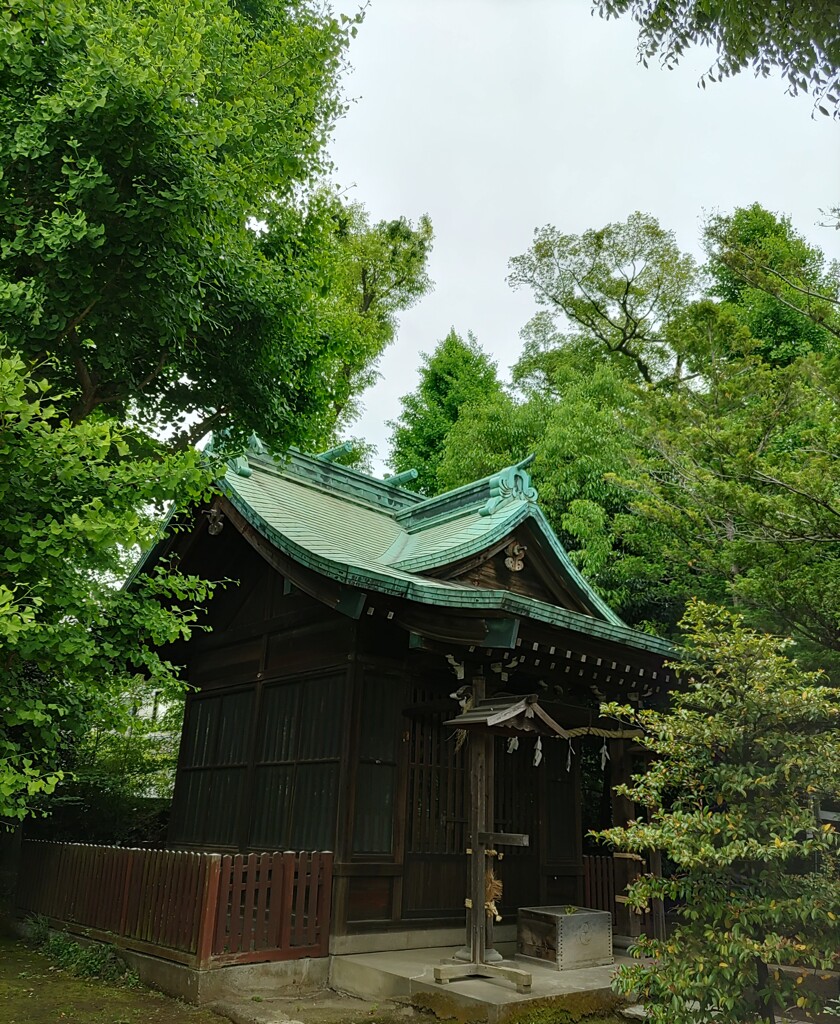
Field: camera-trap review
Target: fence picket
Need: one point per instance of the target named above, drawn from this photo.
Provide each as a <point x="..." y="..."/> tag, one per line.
<point x="275" y="901"/>
<point x="192" y="925"/>
<point x="261" y="922"/>
<point x="139" y="871"/>
<point x="248" y="903"/>
<point x="599" y="883"/>
<point x="236" y="903"/>
<point x="225" y="909"/>
<point x="300" y="899"/>
<point x="312" y="898"/>
<point x="162" y="910"/>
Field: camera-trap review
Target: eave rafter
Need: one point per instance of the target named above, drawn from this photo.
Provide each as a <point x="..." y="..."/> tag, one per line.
<point x="556" y="663"/>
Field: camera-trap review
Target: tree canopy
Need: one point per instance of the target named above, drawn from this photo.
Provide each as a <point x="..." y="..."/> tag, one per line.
<point x="683" y="419"/>
<point x="742" y="474"/>
<point x="573" y="413"/>
<point x="780" y="287"/>
<point x="172" y="260"/>
<point x="377" y="271"/>
<point x="740" y="763"/>
<point x="75" y="499"/>
<point x="615" y="287"/>
<point x="801" y="40"/>
<point x="165" y="237"/>
<point x="455" y="375"/>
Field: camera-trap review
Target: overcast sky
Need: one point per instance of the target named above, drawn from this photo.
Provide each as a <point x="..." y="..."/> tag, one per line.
<point x="499" y="116"/>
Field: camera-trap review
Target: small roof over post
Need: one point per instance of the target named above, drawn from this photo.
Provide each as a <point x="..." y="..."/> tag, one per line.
<point x="509" y="714"/>
<point x="506" y="714"/>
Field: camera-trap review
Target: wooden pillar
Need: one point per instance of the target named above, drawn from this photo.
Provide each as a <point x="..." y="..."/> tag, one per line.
<point x="626" y="865"/>
<point x="481" y="803"/>
<point x="487" y="770"/>
<point x="478" y="859"/>
<point x="491" y="955"/>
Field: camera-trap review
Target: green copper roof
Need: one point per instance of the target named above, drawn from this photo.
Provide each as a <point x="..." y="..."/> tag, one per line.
<point x="375" y="536"/>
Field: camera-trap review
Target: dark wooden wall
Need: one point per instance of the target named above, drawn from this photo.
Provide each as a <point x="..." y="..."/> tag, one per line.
<point x="264" y="738"/>
<point x="311" y="730"/>
<point x="423" y="878"/>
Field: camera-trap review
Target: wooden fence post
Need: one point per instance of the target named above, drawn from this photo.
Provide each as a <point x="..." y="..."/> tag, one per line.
<point x="287" y="894"/>
<point x="126" y="892"/>
<point x="209" y="910"/>
<point x="324" y="903"/>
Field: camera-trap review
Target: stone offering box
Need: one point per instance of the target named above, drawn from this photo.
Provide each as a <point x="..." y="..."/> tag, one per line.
<point x="565" y="938"/>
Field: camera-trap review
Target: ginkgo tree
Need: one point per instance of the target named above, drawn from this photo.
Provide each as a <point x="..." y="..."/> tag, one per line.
<point x="76" y="649"/>
<point x="172" y="262"/>
<point x="167" y="234"/>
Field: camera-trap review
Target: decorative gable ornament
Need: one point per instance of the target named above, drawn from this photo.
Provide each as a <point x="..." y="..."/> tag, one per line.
<point x="515" y="560"/>
<point x="512" y="482"/>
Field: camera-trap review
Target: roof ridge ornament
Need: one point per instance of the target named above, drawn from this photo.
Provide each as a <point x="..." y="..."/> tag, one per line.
<point x="254" y="446"/>
<point x="257" y="445"/>
<point x="512" y="482"/>
<point x="239" y="465"/>
<point x="238" y="462"/>
<point x="398" y="479"/>
<point x="331" y="454"/>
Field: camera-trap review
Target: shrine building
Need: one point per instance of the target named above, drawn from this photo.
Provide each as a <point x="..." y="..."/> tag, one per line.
<point x="362" y="617"/>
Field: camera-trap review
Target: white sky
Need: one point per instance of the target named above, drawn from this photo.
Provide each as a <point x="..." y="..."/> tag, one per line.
<point x="499" y="116"/>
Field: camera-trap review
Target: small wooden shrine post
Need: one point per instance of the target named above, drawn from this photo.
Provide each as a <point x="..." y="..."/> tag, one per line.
<point x="486" y="717"/>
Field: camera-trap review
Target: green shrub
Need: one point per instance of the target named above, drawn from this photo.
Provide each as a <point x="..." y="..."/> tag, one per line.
<point x="39" y="929"/>
<point x="94" y="960"/>
<point x="747" y="753"/>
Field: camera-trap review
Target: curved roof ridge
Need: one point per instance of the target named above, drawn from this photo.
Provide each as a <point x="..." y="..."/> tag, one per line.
<point x="510" y="482"/>
<point x="329" y="476"/>
<point x="368" y="573"/>
<point x="353" y="527"/>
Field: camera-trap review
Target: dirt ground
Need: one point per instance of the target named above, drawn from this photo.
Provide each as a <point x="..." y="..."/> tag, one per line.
<point x="33" y="991"/>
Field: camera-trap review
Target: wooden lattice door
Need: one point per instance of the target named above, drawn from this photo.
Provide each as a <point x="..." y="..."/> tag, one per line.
<point x="517" y="803"/>
<point x="436" y="814"/>
<point x="437" y="811"/>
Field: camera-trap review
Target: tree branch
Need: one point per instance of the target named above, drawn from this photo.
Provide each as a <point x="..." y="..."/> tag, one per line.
<point x="766" y="478"/>
<point x="764" y="286"/>
<point x="87" y="401"/>
<point x="198" y="430"/>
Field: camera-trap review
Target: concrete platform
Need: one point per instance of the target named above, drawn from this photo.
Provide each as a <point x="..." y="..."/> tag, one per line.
<point x="407" y="975"/>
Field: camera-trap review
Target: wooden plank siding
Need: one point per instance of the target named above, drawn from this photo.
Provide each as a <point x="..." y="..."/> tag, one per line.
<point x="599" y="893"/>
<point x="599" y="884"/>
<point x="310" y="728"/>
<point x="200" y="909"/>
<point x="264" y="726"/>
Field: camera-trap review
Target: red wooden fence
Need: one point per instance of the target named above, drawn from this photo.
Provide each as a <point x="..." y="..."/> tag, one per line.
<point x="201" y="909"/>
